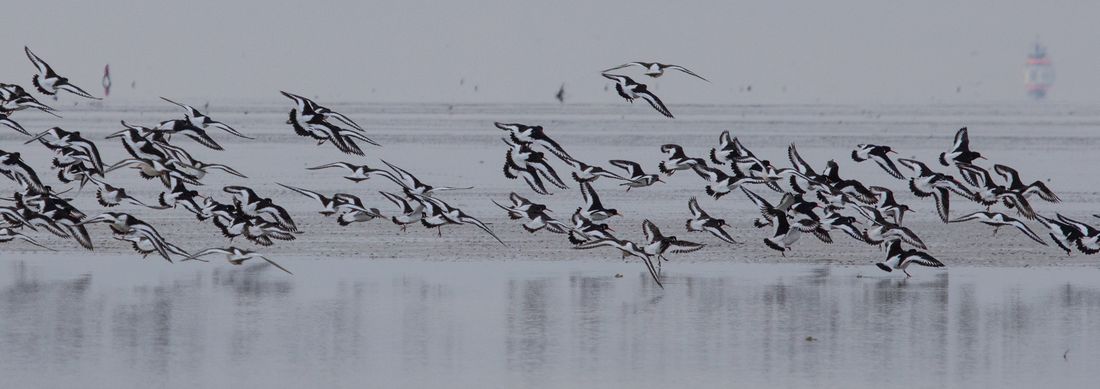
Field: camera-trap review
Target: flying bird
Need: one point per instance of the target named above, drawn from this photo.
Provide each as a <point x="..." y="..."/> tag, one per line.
<point x="236" y="256"/>
<point x="200" y="120"/>
<point x="700" y="221"/>
<point x="960" y="150"/>
<point x="656" y="69"/>
<point x="49" y="82"/>
<point x="631" y="90"/>
<point x="898" y="259"/>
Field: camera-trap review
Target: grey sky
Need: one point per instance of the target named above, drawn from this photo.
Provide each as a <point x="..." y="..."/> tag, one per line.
<point x="846" y="51"/>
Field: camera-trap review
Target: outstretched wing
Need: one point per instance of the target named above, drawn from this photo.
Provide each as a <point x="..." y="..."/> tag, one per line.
<point x="632" y="168"/>
<point x="655" y="102"/>
<point x="685" y="70"/>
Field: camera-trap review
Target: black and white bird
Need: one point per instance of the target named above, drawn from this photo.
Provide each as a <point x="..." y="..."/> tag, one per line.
<point x="987" y="192"/>
<point x="898" y="259"/>
<point x="729" y="150"/>
<point x="49" y="82"/>
<point x="766" y="217"/>
<point x="593" y="208"/>
<point x="522" y="133"/>
<point x="656" y="69"/>
<point x="783" y="236"/>
<point x="329" y="205"/>
<point x="185" y="128"/>
<point x="960" y="150"/>
<point x="412" y="185"/>
<point x="998" y="220"/>
<point x="807" y="178"/>
<point x="235" y="256"/>
<point x="702" y="222"/>
<point x="1014" y="183"/>
<point x="636" y="177"/>
<point x="585" y="229"/>
<point x="1063" y="234"/>
<point x="201" y="120"/>
<point x="938" y="185"/>
<point x="56" y="138"/>
<point x="888" y="205"/>
<point x="719" y="183"/>
<point x="881" y="156"/>
<point x="110" y="196"/>
<point x="1089" y="242"/>
<point x="356" y="173"/>
<point x="14" y="98"/>
<point x="884" y="231"/>
<point x="834" y="221"/>
<point x="438" y="213"/>
<point x="628" y="249"/>
<point x="309" y="108"/>
<point x="536" y="216"/>
<point x="521" y="161"/>
<point x="583" y="172"/>
<point x="13" y="167"/>
<point x="630" y="90"/>
<point x="657" y="244"/>
<point x="253" y="205"/>
<point x="676" y="159"/>
<point x="144" y="238"/>
<point x="411" y="211"/>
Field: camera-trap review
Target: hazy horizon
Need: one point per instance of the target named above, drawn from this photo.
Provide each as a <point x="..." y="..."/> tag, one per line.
<point x="927" y="52"/>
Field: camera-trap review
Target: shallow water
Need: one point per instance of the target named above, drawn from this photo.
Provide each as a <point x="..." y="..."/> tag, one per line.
<point x="118" y="322"/>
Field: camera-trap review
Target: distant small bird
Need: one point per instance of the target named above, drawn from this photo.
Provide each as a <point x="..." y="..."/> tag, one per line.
<point x="899" y="259"/>
<point x="236" y="256"/>
<point x="700" y="221"/>
<point x="636" y="177"/>
<point x="998" y="220"/>
<point x="960" y="150"/>
<point x="879" y="154"/>
<point x="631" y="90"/>
<point x="656" y="69"/>
<point x="561" y="94"/>
<point x="49" y="82"/>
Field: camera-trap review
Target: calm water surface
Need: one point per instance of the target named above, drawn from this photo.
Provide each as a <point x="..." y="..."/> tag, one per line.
<point x="111" y="322"/>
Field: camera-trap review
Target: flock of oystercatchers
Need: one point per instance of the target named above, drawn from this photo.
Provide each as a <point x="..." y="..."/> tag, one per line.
<point x="819" y="204"/>
<point x="809" y="202"/>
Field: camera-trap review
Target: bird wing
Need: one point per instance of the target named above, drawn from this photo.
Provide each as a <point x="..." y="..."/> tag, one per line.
<point x="962" y="140"/>
<point x="685" y="70"/>
<point x="308" y="193"/>
<point x="591" y="198"/>
<point x="917" y="166"/>
<point x="632" y="168"/>
<point x="765" y="206"/>
<point x="227" y="128"/>
<point x="404" y="178"/>
<point x="467" y="219"/>
<point x="887" y="164"/>
<point x="652" y="233"/>
<point x="943" y="203"/>
<point x="683" y="246"/>
<point x="399" y="201"/>
<point x="628" y="64"/>
<point x="922" y="258"/>
<point x="799" y="164"/>
<point x="43" y="68"/>
<point x="696" y="211"/>
<point x="1027" y="231"/>
<point x="655" y="102"/>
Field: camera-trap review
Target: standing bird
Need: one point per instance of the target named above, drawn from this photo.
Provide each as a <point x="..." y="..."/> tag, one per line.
<point x="656" y="69"/>
<point x="881" y="156"/>
<point x="960" y="150"/>
<point x="899" y="259"/>
<point x="998" y="220"/>
<point x="49" y="82"/>
<point x="200" y="120"/>
<point x="676" y="159"/>
<point x="636" y="177"/>
<point x="700" y="221"/>
<point x="631" y="90"/>
<point x="236" y="256"/>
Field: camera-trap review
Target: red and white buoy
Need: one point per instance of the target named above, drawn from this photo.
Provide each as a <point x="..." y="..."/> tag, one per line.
<point x="1039" y="72"/>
